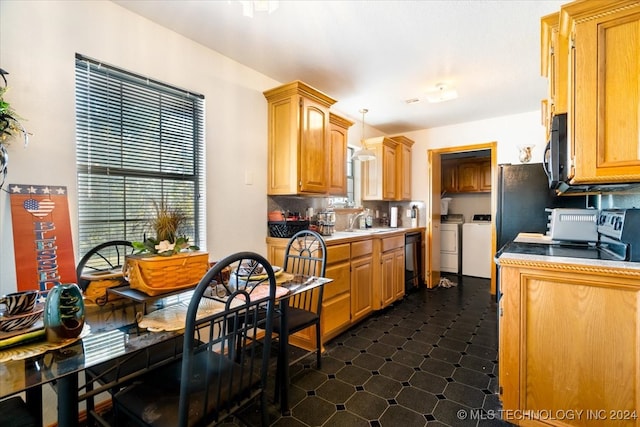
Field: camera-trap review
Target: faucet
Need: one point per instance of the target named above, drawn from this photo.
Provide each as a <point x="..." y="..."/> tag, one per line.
<point x="353" y="220"/>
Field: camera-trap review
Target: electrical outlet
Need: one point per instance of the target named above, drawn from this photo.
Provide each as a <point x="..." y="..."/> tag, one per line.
<point x="408" y="213"/>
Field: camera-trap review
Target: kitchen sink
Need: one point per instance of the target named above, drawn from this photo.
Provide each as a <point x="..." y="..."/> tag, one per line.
<point x="368" y="230"/>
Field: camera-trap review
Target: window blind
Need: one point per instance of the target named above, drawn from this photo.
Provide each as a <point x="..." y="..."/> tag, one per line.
<point x="138" y="142"/>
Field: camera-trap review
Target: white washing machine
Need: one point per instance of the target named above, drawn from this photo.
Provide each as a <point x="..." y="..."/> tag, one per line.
<point x="476" y="247"/>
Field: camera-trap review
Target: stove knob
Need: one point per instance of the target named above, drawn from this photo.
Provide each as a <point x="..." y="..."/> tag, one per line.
<point x="618" y="224"/>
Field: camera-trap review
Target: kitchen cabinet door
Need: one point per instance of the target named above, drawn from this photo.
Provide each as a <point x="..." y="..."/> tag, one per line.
<point x="554" y="64"/>
<point x="468" y="177"/>
<point x="379" y="175"/>
<point x="388" y="278"/>
<point x="361" y="279"/>
<point x="338" y="137"/>
<point x="568" y="342"/>
<point x="298" y="139"/>
<point x="336" y="302"/>
<point x="484" y="173"/>
<point x="604" y="109"/>
<point x="403" y="167"/>
<point x="450" y="176"/>
<point x="391" y="283"/>
<point x="399" y="271"/>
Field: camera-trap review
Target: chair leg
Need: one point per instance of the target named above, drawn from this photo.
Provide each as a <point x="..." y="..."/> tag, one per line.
<point x="319" y="344"/>
<point x="89" y="401"/>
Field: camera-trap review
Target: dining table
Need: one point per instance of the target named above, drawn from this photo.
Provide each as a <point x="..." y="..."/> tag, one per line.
<point x="115" y="334"/>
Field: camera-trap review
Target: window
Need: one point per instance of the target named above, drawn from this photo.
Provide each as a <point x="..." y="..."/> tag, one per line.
<point x="350" y="180"/>
<point x="350" y="199"/>
<point x="139" y="142"/>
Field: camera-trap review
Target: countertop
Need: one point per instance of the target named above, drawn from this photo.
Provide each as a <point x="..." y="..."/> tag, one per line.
<point x="362" y="234"/>
<point x="578" y="255"/>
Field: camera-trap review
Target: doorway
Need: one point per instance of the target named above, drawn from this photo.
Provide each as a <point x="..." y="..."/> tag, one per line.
<point x="434" y="161"/>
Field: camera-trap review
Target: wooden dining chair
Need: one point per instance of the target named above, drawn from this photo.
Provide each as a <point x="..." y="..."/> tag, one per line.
<point x="305" y="255"/>
<point x="223" y="368"/>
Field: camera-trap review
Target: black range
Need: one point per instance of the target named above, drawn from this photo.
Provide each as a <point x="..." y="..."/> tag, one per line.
<point x="559" y="250"/>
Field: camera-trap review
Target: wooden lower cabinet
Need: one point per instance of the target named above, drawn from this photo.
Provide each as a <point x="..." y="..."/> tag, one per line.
<point x="569" y="343"/>
<point x="336" y="301"/>
<point x="368" y="275"/>
<point x="361" y="279"/>
<point x="387" y="262"/>
<point x="391" y="286"/>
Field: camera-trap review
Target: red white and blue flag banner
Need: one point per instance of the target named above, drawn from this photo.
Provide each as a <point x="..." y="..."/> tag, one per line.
<point x="41" y="236"/>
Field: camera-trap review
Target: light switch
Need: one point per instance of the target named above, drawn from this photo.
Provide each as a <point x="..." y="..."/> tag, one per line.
<point x="248" y="178"/>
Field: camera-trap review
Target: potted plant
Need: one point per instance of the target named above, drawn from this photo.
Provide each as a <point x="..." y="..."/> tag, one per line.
<point x="167" y="222"/>
<point x="166" y="262"/>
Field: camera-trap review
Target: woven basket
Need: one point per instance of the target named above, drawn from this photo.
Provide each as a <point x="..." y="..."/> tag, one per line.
<point x="155" y="275"/>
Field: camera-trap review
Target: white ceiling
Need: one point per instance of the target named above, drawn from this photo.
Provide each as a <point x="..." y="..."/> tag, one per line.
<point x="378" y="54"/>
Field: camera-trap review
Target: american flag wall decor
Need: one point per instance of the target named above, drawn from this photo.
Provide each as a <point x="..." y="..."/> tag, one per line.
<point x="41" y="236"/>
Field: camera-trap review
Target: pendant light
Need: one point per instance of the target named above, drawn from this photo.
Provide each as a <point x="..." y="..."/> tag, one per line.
<point x="363" y="154"/>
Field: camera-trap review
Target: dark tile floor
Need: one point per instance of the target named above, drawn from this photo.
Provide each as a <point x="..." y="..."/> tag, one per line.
<point x="430" y="359"/>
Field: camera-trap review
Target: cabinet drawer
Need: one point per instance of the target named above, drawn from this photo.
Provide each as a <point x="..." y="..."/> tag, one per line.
<point x="392" y="243"/>
<point x="341" y="275"/>
<point x="364" y="247"/>
<point x="337" y="253"/>
<point x="336" y="314"/>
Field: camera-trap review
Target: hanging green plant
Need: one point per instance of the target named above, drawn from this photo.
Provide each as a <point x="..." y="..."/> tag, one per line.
<point x="10" y="125"/>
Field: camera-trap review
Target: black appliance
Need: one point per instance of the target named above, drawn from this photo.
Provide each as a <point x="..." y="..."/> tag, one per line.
<point x="556" y="163"/>
<point x="413" y="260"/>
<point x="523" y="196"/>
<point x="619" y="233"/>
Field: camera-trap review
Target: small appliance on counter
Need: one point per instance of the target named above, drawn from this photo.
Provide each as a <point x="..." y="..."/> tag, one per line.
<point x="326" y="223"/>
<point x="576" y="225"/>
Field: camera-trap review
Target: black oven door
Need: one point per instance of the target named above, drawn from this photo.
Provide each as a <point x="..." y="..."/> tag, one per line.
<point x="555" y="154"/>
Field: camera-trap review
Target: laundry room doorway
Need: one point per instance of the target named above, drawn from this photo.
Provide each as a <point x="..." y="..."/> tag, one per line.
<point x="436" y="188"/>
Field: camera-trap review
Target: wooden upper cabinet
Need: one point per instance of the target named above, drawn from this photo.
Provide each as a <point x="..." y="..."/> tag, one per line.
<point x="555" y="62"/>
<point x="388" y="177"/>
<point x="604" y="88"/>
<point x="485" y="176"/>
<point x="298" y="117"/>
<point x="403" y="167"/>
<point x="338" y="133"/>
<point x="466" y="176"/>
<point x="449" y="176"/>
<point x="554" y="48"/>
<point x="379" y="175"/>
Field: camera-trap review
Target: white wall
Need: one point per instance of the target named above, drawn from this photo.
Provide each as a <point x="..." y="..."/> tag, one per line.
<point x="38" y="43"/>
<point x="508" y="131"/>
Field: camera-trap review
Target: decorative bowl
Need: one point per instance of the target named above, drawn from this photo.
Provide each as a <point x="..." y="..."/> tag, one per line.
<point x="19" y="302"/>
<point x="21" y="321"/>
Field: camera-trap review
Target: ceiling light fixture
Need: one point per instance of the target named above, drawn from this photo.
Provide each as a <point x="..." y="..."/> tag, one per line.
<point x="363" y="154"/>
<point x="249" y="7"/>
<point x="441" y="93"/>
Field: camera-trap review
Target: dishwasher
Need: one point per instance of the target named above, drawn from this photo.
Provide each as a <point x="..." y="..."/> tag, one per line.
<point x="412" y="260"/>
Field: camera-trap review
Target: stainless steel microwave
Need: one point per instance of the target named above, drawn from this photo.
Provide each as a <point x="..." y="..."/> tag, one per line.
<point x="556" y="164"/>
<point x="555" y="154"/>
